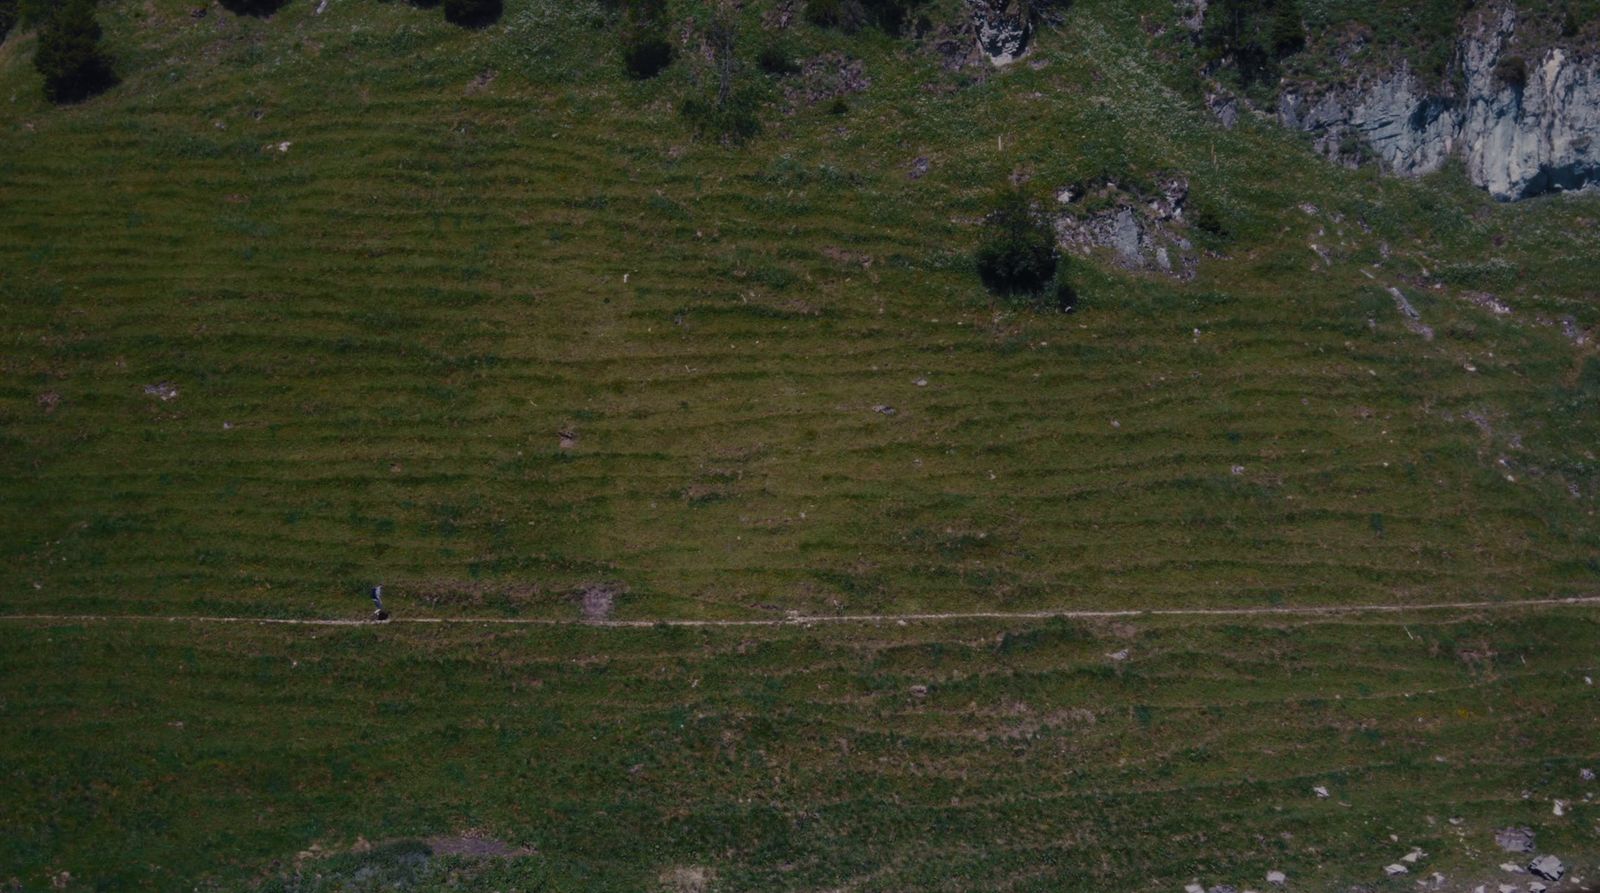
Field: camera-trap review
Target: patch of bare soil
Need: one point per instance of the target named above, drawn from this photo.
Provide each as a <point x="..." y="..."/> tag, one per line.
<point x="597" y="600"/>
<point x="475" y="847"/>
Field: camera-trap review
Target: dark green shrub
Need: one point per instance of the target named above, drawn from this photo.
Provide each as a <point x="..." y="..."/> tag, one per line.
<point x="8" y="17"/>
<point x="890" y="16"/>
<point x="1018" y="253"/>
<point x="646" y="58"/>
<point x="838" y="106"/>
<point x="732" y="120"/>
<point x="1511" y="71"/>
<point x="775" y="59"/>
<point x="258" y="8"/>
<point x="646" y="52"/>
<point x="472" y="13"/>
<point x="1253" y="35"/>
<point x="1066" y="295"/>
<point x="69" y="55"/>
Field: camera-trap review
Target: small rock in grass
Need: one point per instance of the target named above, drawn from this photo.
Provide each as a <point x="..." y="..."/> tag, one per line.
<point x="1559" y="807"/>
<point x="1277" y="877"/>
<point x="1515" y="840"/>
<point x="1511" y="867"/>
<point x="1537" y="887"/>
<point x="1119" y="655"/>
<point x="1395" y="870"/>
<point x="1224" y="888"/>
<point x="884" y="408"/>
<point x="1509" y="888"/>
<point x="161" y="390"/>
<point x="1321" y="792"/>
<point x="919" y="691"/>
<point x="1412" y="856"/>
<point x="1548" y="867"/>
<point x="1193" y="888"/>
<point x="1586" y="774"/>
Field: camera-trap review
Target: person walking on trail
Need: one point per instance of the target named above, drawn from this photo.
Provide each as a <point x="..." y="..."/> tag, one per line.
<point x="377" y="599"/>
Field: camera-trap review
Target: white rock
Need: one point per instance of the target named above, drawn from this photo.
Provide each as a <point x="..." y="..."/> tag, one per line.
<point x="1277" y="877"/>
<point x="1321" y="792"/>
<point x="1548" y="867"/>
<point x="1396" y="870"/>
<point x="1511" y="867"/>
<point x="1559" y="807"/>
<point x="1193" y="888"/>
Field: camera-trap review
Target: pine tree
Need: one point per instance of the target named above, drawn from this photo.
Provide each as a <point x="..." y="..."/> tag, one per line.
<point x="69" y="55"/>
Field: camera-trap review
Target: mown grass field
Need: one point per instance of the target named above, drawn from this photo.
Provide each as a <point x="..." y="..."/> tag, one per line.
<point x="804" y="759"/>
<point x="387" y="264"/>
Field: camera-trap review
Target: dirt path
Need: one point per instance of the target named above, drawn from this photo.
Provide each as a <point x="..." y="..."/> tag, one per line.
<point x="813" y="619"/>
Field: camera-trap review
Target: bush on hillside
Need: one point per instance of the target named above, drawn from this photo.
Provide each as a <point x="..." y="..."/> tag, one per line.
<point x="258" y="8"/>
<point x="472" y="13"/>
<point x="1512" y="71"/>
<point x="1018" y="253"/>
<point x="1254" y="36"/>
<point x="775" y="59"/>
<point x="646" y="51"/>
<point x="890" y="16"/>
<point x="69" y="55"/>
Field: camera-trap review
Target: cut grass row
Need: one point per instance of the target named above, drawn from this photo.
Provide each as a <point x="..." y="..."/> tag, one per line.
<point x="803" y="759"/>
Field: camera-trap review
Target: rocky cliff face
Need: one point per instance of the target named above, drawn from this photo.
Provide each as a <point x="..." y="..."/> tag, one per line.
<point x="1524" y="126"/>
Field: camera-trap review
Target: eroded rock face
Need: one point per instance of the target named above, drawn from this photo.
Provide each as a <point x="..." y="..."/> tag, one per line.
<point x="1517" y="139"/>
<point x="1138" y="233"/>
<point x="1003" y="28"/>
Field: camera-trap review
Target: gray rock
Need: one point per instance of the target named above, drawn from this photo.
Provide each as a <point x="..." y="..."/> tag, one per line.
<point x="1586" y="774"/>
<point x="1548" y="867"/>
<point x="1517" y="140"/>
<point x="1515" y="840"/>
<point x="1003" y="28"/>
<point x="1224" y="888"/>
<point x="1277" y="877"/>
<point x="1395" y="870"/>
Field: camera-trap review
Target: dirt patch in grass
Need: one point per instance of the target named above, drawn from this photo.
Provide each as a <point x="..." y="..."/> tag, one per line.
<point x="474" y="846"/>
<point x="597" y="600"/>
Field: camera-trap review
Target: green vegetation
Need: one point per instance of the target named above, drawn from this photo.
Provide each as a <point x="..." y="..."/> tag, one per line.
<point x="1252" y="37"/>
<point x="1018" y="252"/>
<point x="69" y="57"/>
<point x="312" y="302"/>
<point x="945" y="756"/>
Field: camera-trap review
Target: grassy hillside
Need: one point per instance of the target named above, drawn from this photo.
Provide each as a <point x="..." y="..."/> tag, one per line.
<point x="800" y="759"/>
<point x="377" y="334"/>
<point x="312" y="302"/>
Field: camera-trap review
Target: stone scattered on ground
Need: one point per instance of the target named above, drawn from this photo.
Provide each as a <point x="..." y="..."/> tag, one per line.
<point x="1586" y="774"/>
<point x="1511" y="867"/>
<point x="919" y="691"/>
<point x="1224" y="888"/>
<point x="1537" y="887"/>
<point x="1277" y="877"/>
<point x="1559" y="807"/>
<point x="1119" y="656"/>
<point x="474" y="847"/>
<point x="567" y="439"/>
<point x="1321" y="792"/>
<point x="162" y="390"/>
<point x="1413" y="856"/>
<point x="1548" y="867"/>
<point x="919" y="168"/>
<point x="1509" y="888"/>
<point x="597" y="601"/>
<point x="1193" y="888"/>
<point x="884" y="409"/>
<point x="1515" y="840"/>
<point x="1395" y="870"/>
